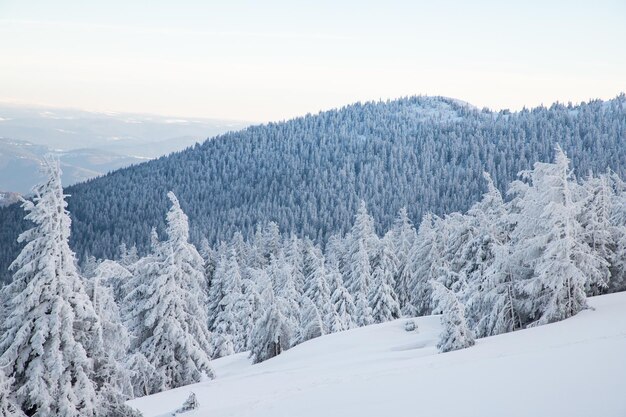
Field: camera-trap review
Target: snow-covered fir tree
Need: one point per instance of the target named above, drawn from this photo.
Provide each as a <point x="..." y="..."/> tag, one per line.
<point x="360" y="280"/>
<point x="400" y="239"/>
<point x="113" y="378"/>
<point x="8" y="407"/>
<point x="228" y="332"/>
<point x="343" y="313"/>
<point x="311" y="324"/>
<point x="280" y="274"/>
<point x="554" y="246"/>
<point x="217" y="288"/>
<point x="50" y="326"/>
<point x="424" y="260"/>
<point x="316" y="287"/>
<point x="382" y="296"/>
<point x="168" y="315"/>
<point x="273" y="333"/>
<point x="455" y="333"/>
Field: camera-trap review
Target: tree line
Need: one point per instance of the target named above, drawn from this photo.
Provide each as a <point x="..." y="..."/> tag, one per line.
<point x="81" y="341"/>
<point x="309" y="174"/>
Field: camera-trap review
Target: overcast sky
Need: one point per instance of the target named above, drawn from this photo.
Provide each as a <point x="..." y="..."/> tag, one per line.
<point x="272" y="60"/>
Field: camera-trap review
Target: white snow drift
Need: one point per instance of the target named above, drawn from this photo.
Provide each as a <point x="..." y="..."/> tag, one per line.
<point x="571" y="368"/>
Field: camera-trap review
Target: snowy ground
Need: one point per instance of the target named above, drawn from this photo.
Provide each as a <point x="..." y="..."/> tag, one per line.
<point x="573" y="368"/>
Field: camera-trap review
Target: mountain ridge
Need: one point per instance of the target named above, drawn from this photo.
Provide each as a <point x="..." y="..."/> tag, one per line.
<point x="308" y="174"/>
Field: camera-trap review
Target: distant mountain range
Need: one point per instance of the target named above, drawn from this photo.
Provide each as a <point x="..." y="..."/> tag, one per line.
<point x="310" y="173"/>
<point x="90" y="144"/>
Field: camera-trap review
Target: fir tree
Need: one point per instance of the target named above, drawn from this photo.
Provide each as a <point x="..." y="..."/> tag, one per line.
<point x="50" y="323"/>
<point x="316" y="288"/>
<point x="8" y="407"/>
<point x="311" y="325"/>
<point x="455" y="333"/>
<point x="169" y="316"/>
<point x="382" y="297"/>
<point x="273" y="332"/>
<point x="401" y="238"/>
<point x="342" y="315"/>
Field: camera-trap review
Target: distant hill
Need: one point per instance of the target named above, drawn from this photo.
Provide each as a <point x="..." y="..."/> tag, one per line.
<point x="19" y="164"/>
<point x="90" y="144"/>
<point x="308" y="174"/>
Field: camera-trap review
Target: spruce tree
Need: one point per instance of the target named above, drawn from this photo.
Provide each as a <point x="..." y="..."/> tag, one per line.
<point x="455" y="333"/>
<point x="343" y="313"/>
<point x="382" y="297"/>
<point x="273" y="333"/>
<point x="168" y="315"/>
<point x="50" y="325"/>
<point x="316" y="288"/>
<point x="400" y="239"/>
<point x="8" y="407"/>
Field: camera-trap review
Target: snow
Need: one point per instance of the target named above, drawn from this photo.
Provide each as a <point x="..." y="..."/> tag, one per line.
<point x="571" y="368"/>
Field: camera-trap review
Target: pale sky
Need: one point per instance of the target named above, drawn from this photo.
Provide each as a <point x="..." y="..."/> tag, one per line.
<point x="272" y="60"/>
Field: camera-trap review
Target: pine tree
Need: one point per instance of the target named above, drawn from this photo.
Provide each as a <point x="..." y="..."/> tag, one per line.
<point x="342" y="315"/>
<point x="597" y="206"/>
<point x="316" y="288"/>
<point x="618" y="235"/>
<point x="382" y="297"/>
<point x="113" y="378"/>
<point x="552" y="248"/>
<point x="145" y="378"/>
<point x="492" y="303"/>
<point x="191" y="403"/>
<point x="360" y="279"/>
<point x="455" y="333"/>
<point x="424" y="261"/>
<point x="288" y="298"/>
<point x="50" y="323"/>
<point x="311" y="325"/>
<point x="169" y="317"/>
<point x="8" y="408"/>
<point x="295" y="258"/>
<point x="401" y="238"/>
<point x="229" y="334"/>
<point x="216" y="290"/>
<point x="273" y="332"/>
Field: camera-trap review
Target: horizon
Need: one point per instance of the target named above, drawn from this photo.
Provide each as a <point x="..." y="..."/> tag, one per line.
<point x="278" y="60"/>
<point x="113" y="113"/>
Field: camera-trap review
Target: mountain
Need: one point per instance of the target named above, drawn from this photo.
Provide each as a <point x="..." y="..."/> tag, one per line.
<point x="8" y="198"/>
<point x="310" y="173"/>
<point x="553" y="370"/>
<point x="20" y="160"/>
<point x="90" y="144"/>
<point x="146" y="136"/>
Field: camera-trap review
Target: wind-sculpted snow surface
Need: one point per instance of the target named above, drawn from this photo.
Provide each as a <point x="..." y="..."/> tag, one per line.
<point x="572" y="368"/>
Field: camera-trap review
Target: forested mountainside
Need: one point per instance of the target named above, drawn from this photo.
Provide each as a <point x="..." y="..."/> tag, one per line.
<point x="309" y="174"/>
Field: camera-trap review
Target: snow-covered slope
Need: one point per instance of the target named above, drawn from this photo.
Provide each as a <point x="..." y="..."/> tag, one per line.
<point x="572" y="368"/>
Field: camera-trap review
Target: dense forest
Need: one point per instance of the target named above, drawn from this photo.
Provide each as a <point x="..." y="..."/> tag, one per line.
<point x="138" y="325"/>
<point x="309" y="174"/>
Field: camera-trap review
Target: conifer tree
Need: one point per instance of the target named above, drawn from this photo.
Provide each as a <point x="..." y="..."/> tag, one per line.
<point x="551" y="248"/>
<point x="455" y="333"/>
<point x="273" y="332"/>
<point x="229" y="336"/>
<point x="8" y="408"/>
<point x="311" y="325"/>
<point x="50" y="325"/>
<point x="316" y="288"/>
<point x="342" y="315"/>
<point x="110" y="373"/>
<point x="400" y="239"/>
<point x="169" y="320"/>
<point x="382" y="297"/>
